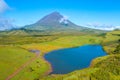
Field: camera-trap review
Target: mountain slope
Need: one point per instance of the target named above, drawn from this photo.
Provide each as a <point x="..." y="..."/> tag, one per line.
<point x="56" y="23"/>
<point x="53" y="23"/>
<point x="53" y="20"/>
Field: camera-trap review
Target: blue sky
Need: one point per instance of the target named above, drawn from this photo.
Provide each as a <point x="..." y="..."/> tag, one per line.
<point x="81" y="12"/>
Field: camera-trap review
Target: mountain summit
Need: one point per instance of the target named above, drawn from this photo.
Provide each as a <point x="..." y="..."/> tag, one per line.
<point x="51" y="18"/>
<point x="56" y="23"/>
<point x="55" y="19"/>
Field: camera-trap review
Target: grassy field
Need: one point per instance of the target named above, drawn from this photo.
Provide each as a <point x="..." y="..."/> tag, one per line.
<point x="103" y="68"/>
<point x="111" y="40"/>
<point x="11" y="58"/>
<point x="64" y="42"/>
<point x="39" y="68"/>
<point x="14" y="40"/>
<point x="16" y="53"/>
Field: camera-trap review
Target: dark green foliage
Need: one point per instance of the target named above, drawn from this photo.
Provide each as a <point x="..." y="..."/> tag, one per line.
<point x="108" y="68"/>
<point x="7" y="40"/>
<point x="92" y="40"/>
<point x="101" y="75"/>
<point x="117" y="50"/>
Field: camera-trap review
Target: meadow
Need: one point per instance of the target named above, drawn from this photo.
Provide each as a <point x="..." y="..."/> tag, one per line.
<point x="11" y="58"/>
<point x="102" y="68"/>
<point x="14" y="51"/>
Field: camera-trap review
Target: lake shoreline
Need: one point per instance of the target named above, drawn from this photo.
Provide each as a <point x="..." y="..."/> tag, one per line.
<point x="51" y="69"/>
<point x="50" y="66"/>
<point x="38" y="52"/>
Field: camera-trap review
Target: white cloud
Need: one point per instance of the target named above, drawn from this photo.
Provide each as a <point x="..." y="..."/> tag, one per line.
<point x="102" y="26"/>
<point x="117" y="27"/>
<point x="3" y="6"/>
<point x="64" y="20"/>
<point x="6" y="24"/>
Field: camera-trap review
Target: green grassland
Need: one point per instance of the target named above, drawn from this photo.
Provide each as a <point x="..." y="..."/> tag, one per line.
<point x="14" y="40"/>
<point x="39" y="68"/>
<point x="103" y="68"/>
<point x="11" y="58"/>
<point x="64" y="42"/>
<point x="111" y="41"/>
<point x="16" y="53"/>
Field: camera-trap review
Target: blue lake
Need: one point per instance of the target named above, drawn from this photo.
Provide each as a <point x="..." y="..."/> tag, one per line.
<point x="67" y="60"/>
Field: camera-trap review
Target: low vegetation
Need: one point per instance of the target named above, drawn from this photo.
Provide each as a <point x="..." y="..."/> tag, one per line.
<point x="111" y="41"/>
<point x="15" y="40"/>
<point x="14" y="51"/>
<point x="11" y="58"/>
<point x="103" y="68"/>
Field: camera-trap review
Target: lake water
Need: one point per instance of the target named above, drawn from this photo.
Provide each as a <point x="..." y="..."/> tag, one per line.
<point x="67" y="60"/>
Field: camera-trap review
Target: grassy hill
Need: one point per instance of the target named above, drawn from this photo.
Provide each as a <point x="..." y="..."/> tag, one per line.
<point x="111" y="41"/>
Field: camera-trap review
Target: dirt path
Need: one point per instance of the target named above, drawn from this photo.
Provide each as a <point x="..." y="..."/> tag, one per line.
<point x="22" y="67"/>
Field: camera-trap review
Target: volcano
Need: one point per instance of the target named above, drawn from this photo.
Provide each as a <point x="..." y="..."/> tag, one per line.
<point x="57" y="23"/>
<point x="53" y="21"/>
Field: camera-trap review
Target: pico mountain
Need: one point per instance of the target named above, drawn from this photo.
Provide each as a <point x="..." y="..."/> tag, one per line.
<point x="53" y="23"/>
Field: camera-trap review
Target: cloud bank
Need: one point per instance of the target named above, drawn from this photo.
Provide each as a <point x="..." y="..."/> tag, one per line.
<point x="6" y="24"/>
<point x="102" y="26"/>
<point x="3" y="6"/>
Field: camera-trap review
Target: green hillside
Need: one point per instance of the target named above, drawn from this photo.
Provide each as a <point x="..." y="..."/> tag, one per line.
<point x="103" y="68"/>
<point x="14" y="52"/>
<point x="111" y="41"/>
